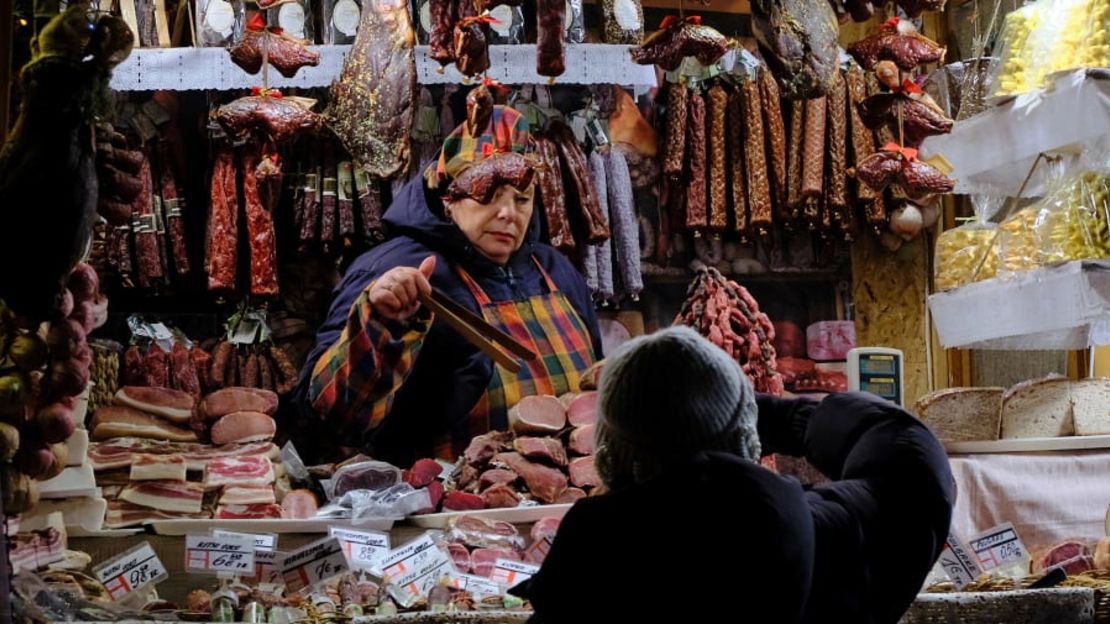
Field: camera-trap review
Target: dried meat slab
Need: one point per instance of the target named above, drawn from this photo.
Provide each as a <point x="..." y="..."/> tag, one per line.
<point x="374" y="100"/>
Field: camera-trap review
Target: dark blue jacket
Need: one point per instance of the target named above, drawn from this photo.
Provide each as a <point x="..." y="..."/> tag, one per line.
<point x="450" y="374"/>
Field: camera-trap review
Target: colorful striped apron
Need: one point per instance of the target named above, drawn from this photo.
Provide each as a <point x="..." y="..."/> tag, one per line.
<point x="548" y="325"/>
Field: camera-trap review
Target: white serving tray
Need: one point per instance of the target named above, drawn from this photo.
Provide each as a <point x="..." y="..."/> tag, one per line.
<point x="514" y="515"/>
<point x="183" y="527"/>
<point x="1030" y="445"/>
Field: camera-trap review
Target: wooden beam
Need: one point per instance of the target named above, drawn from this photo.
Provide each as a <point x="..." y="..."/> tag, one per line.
<point x="7" y="36"/>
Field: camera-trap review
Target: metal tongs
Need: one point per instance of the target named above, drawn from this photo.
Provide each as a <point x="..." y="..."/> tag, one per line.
<point x="477" y="331"/>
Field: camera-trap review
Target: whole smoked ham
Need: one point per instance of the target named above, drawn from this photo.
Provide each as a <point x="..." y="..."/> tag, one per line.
<point x="173" y="496"/>
<point x="237" y="399"/>
<point x="239" y="427"/>
<point x="374" y="99"/>
<point x="173" y="405"/>
<point x="119" y="421"/>
<point x="798" y="39"/>
<point x="298" y="505"/>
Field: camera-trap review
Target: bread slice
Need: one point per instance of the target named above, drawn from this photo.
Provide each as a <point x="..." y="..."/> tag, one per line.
<point x="962" y="414"/>
<point x="1090" y="405"/>
<point x="1040" y="408"/>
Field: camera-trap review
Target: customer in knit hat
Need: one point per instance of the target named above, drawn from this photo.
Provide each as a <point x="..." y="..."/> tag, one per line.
<point x="652" y="413"/>
<point x="689" y="509"/>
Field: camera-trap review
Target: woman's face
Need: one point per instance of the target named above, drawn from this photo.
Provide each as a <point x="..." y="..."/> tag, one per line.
<point x="495" y="229"/>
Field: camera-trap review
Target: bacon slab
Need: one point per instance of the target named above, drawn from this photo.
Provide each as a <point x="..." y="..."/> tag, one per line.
<point x="147" y="467"/>
<point x="247" y="495"/>
<point x="122" y="515"/>
<point x="248" y="512"/>
<point x="239" y="471"/>
<point x="122" y="452"/>
<point x="180" y="496"/>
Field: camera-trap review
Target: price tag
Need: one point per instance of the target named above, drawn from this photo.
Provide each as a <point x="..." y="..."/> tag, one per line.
<point x="996" y="547"/>
<point x="412" y="570"/>
<point x="477" y="585"/>
<point x="265" y="566"/>
<point x="262" y="541"/>
<point x="131" y="571"/>
<point x="959" y="563"/>
<point x="508" y="573"/>
<point x="364" y="549"/>
<point x="537" y="552"/>
<point x="204" y="553"/>
<point x="318" y="561"/>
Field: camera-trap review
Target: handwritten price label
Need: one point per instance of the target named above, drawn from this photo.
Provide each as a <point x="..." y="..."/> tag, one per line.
<point x="262" y="541"/>
<point x="131" y="571"/>
<point x="265" y="566"/>
<point x="204" y="553"/>
<point x="318" y="561"/>
<point x="477" y="586"/>
<point x="996" y="547"/>
<point x="364" y="549"/>
<point x="412" y="570"/>
<point x="959" y="563"/>
<point x="508" y="573"/>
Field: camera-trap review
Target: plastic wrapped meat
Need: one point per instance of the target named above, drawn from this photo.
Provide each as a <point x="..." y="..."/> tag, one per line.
<point x="369" y="475"/>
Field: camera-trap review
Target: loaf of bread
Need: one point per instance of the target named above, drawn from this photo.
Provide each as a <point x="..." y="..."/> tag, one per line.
<point x="962" y="414"/>
<point x="1039" y="408"/>
<point x="1090" y="404"/>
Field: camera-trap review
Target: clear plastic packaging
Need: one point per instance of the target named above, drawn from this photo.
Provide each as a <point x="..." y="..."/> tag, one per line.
<point x="575" y="22"/>
<point x="1069" y="223"/>
<point x="477" y="532"/>
<point x="219" y="22"/>
<point x="623" y="21"/>
<point x="969" y="253"/>
<point x="509" y="25"/>
<point x="339" y="20"/>
<point x="365" y="475"/>
<point x="295" y="18"/>
<point x="398" y="501"/>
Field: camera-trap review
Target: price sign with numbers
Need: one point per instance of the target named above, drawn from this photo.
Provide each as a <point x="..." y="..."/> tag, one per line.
<point x="262" y="541"/>
<point x="131" y="571"/>
<point x="204" y="553"/>
<point x="477" y="586"/>
<point x="364" y="549"/>
<point x="318" y="561"/>
<point x="996" y="547"/>
<point x="412" y="570"/>
<point x="265" y="566"/>
<point x="508" y="573"/>
<point x="959" y="563"/>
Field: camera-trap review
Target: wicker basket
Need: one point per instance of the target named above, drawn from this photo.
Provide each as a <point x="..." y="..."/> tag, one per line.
<point x="469" y="617"/>
<point x="1066" y="605"/>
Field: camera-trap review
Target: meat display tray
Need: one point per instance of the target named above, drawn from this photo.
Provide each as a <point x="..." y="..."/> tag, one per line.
<point x="183" y="527"/>
<point x="514" y="515"/>
<point x="1029" y="445"/>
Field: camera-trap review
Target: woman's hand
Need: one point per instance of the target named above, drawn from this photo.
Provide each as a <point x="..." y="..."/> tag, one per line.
<point x="396" y="294"/>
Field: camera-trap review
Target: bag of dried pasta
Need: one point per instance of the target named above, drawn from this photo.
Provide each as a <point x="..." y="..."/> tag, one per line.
<point x="969" y="253"/>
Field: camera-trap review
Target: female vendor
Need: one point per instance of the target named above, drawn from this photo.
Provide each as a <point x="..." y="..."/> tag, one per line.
<point x="399" y="384"/>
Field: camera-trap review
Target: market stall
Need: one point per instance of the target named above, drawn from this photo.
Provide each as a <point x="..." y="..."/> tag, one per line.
<point x="157" y="376"/>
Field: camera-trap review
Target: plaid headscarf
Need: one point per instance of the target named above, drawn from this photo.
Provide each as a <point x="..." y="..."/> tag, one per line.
<point x="507" y="131"/>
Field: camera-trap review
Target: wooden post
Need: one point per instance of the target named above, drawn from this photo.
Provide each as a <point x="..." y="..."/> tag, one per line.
<point x="7" y="35"/>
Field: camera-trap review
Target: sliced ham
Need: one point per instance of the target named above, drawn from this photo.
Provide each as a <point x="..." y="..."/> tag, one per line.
<point x="545" y="483"/>
<point x="582" y="440"/>
<point x="583" y="473"/>
<point x="462" y="501"/>
<point x="122" y="452"/>
<point x="298" y="505"/>
<point x="583" y="409"/>
<point x="121" y="421"/>
<point x="121" y="515"/>
<point x="180" y="496"/>
<point x="496" y="476"/>
<point x="248" y="512"/>
<point x="239" y="427"/>
<point x="157" y="468"/>
<point x="548" y="450"/>
<point x="537" y="415"/>
<point x="483" y="559"/>
<point x="482" y="448"/>
<point x="571" y="495"/>
<point x="460" y="556"/>
<point x="236" y="399"/>
<point x="500" y="496"/>
<point x="247" y="495"/>
<point x="239" y="471"/>
<point x="173" y="405"/>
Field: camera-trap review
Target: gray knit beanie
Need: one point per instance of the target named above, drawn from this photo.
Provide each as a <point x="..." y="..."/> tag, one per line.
<point x="665" y="397"/>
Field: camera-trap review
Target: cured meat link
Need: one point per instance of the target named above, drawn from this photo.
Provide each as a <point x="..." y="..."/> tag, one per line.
<point x="717" y="105"/>
<point x="260" y="230"/>
<point x="550" y="46"/>
<point x="674" y="157"/>
<point x="813" y="161"/>
<point x="737" y="184"/>
<point x="597" y="229"/>
<point x="836" y="118"/>
<point x="223" y="227"/>
<point x="759" y="185"/>
<point x="552" y="195"/>
<point x="774" y="131"/>
<point x="697" y="215"/>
